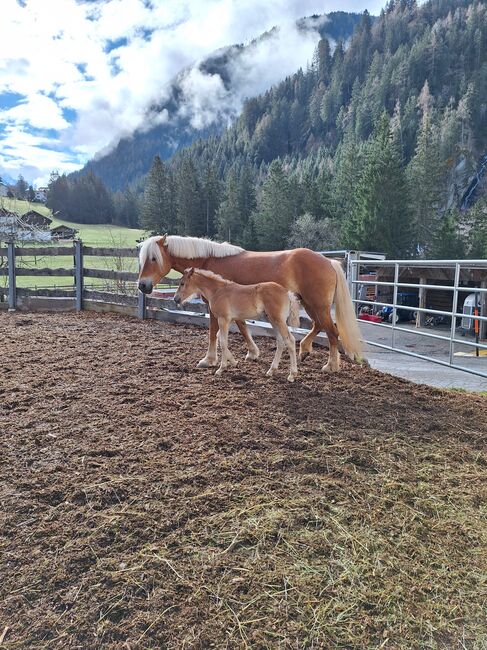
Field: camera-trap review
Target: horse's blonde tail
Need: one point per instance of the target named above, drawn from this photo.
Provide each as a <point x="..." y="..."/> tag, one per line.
<point x="345" y="316"/>
<point x="294" y="307"/>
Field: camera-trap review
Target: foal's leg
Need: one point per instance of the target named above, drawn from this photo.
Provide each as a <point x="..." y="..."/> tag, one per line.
<point x="211" y="358"/>
<point x="288" y="338"/>
<point x="223" y="335"/>
<point x="253" y="352"/>
<point x="277" y="357"/>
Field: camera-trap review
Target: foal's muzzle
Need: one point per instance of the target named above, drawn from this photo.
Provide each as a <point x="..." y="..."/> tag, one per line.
<point x="177" y="300"/>
<point x="145" y="286"/>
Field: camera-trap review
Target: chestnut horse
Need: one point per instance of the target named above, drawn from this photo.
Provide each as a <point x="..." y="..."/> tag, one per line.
<point x="229" y="301"/>
<point x="318" y="282"/>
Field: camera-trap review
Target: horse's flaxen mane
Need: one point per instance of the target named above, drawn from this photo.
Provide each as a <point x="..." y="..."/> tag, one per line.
<point x="191" y="248"/>
<point x="188" y="248"/>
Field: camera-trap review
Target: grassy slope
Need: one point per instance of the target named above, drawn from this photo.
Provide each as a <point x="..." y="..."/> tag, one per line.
<point x="92" y="235"/>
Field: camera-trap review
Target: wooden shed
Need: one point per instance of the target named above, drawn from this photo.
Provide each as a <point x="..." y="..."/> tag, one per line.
<point x="36" y="219"/>
<point x="440" y="299"/>
<point x="63" y="232"/>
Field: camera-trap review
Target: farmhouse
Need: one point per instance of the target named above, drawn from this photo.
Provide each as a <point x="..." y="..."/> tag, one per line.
<point x="36" y="219"/>
<point x="40" y="194"/>
<point x="63" y="232"/>
<point x="13" y="227"/>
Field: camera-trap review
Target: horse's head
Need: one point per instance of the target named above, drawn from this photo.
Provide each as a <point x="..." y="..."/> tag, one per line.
<point x="155" y="262"/>
<point x="187" y="287"/>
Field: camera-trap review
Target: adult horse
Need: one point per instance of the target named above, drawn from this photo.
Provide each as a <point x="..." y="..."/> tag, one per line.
<point x="318" y="281"/>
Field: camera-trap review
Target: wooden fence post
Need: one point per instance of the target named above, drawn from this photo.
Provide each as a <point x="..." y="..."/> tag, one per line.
<point x="78" y="273"/>
<point x="141" y="304"/>
<point x="12" y="289"/>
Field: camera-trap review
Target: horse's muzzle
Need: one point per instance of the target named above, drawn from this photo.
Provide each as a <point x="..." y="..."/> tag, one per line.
<point x="145" y="286"/>
<point x="177" y="300"/>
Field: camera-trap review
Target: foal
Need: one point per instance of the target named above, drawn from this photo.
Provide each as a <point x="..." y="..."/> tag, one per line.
<point x="230" y="301"/>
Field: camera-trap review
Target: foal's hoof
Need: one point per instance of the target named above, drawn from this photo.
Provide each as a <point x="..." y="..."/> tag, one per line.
<point x="205" y="363"/>
<point x="290" y="377"/>
<point x="303" y="355"/>
<point x="252" y="356"/>
<point x="270" y="372"/>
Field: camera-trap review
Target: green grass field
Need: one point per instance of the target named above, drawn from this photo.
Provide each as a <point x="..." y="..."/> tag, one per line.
<point x="107" y="235"/>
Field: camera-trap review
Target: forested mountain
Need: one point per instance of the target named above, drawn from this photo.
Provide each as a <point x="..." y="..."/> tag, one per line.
<point x="374" y="144"/>
<point x="371" y="147"/>
<point x="173" y="123"/>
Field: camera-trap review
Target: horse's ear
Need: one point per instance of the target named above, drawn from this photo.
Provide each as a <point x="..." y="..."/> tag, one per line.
<point x="162" y="240"/>
<point x="190" y="271"/>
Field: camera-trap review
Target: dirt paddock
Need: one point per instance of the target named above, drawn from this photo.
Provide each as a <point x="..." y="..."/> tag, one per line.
<point x="145" y="504"/>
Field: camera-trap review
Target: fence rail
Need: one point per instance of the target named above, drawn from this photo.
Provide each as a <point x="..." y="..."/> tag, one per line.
<point x="391" y="278"/>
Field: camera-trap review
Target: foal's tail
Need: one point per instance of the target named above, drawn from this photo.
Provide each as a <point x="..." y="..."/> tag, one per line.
<point x="345" y="316"/>
<point x="294" y="307"/>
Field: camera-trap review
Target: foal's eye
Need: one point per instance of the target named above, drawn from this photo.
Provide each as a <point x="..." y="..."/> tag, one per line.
<point x="153" y="259"/>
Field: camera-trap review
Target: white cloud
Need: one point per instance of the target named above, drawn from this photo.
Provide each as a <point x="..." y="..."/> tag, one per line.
<point x="101" y="64"/>
<point x="38" y="111"/>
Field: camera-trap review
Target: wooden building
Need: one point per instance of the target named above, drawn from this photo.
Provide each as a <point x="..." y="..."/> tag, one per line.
<point x="439" y="299"/>
<point x="36" y="219"/>
<point x="63" y="232"/>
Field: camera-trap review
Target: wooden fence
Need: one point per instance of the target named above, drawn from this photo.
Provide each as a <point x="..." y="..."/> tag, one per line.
<point x="130" y="302"/>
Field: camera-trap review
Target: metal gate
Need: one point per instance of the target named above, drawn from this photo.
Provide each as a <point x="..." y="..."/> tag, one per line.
<point x="461" y="315"/>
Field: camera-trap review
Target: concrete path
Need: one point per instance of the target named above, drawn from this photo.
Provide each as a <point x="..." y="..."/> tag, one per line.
<point x="426" y="372"/>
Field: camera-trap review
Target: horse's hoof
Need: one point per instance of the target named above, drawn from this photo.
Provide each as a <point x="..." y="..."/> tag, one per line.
<point x="329" y="369"/>
<point x="303" y="355"/>
<point x="219" y="372"/>
<point x="234" y="363"/>
<point x="270" y="372"/>
<point x="290" y="377"/>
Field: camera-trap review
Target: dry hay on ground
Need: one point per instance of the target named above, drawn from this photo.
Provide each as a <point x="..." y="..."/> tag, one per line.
<point x="147" y="505"/>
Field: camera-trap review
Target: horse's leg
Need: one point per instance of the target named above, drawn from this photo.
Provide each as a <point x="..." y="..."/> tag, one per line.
<point x="253" y="352"/>
<point x="223" y="324"/>
<point x="306" y="344"/>
<point x="211" y="358"/>
<point x="322" y="320"/>
<point x="330" y="328"/>
<point x="277" y="357"/>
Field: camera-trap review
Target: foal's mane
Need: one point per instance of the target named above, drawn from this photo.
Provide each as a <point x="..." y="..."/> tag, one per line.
<point x="212" y="276"/>
<point x="188" y="248"/>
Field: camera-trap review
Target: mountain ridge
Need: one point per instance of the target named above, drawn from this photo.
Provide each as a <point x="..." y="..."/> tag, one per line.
<point x="170" y="124"/>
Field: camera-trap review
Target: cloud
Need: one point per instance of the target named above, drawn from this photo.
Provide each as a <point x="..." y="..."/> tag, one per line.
<point x="105" y="62"/>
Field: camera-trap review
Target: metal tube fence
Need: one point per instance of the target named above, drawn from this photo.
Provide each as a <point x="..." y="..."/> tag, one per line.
<point x="464" y="277"/>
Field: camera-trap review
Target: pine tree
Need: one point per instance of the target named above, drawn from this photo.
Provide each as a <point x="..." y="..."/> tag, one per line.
<point x="211" y="198"/>
<point x="426" y="174"/>
<point x="380" y="219"/>
<point x="158" y="214"/>
<point x="448" y="242"/>
<point x="21" y="187"/>
<point x="191" y="215"/>
<point x="276" y="209"/>
<point x="228" y="215"/>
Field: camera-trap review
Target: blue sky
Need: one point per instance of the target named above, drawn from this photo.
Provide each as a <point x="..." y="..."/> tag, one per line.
<point x="75" y="76"/>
